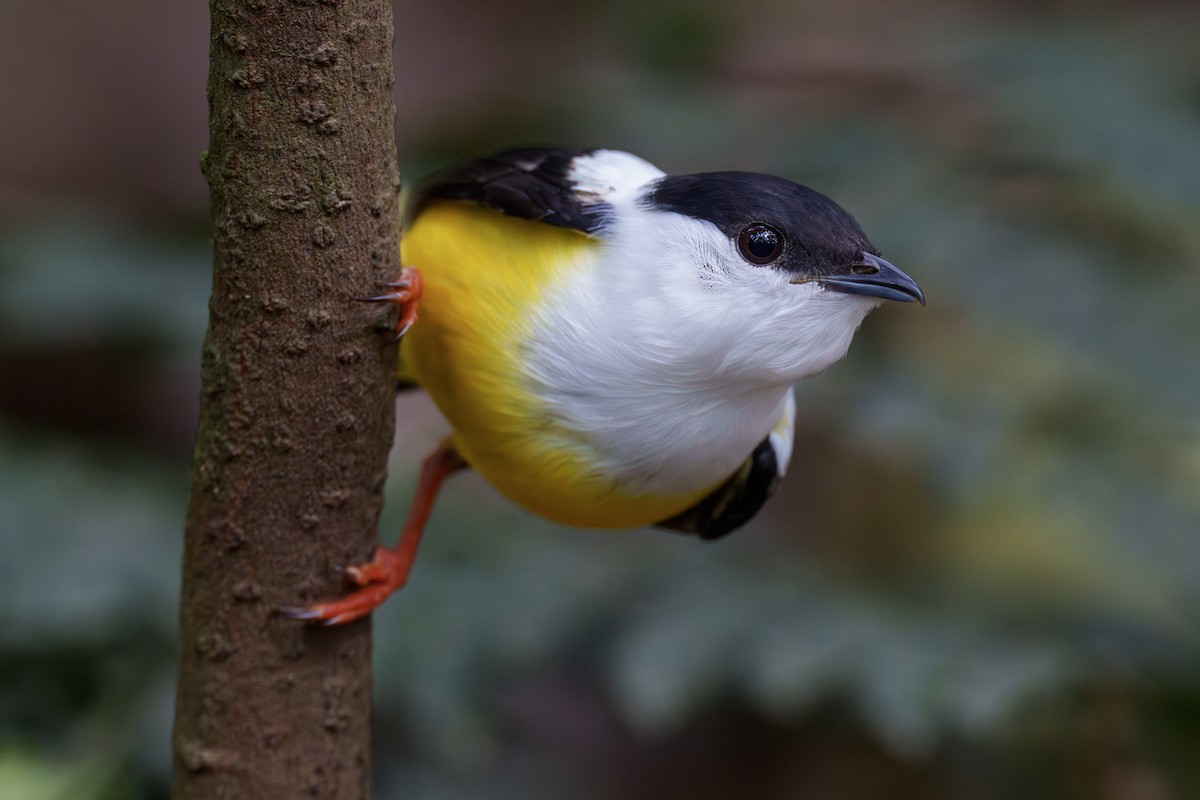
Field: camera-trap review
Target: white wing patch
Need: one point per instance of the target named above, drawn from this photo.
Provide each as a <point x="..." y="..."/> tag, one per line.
<point x="782" y="435"/>
<point x="611" y="176"/>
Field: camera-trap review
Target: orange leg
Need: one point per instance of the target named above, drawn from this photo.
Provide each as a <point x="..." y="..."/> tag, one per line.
<point x="407" y="295"/>
<point x="388" y="570"/>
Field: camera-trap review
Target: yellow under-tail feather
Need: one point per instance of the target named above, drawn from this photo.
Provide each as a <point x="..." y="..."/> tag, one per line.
<point x="484" y="275"/>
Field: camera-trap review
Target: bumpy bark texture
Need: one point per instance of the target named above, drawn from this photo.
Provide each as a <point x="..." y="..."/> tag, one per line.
<point x="296" y="412"/>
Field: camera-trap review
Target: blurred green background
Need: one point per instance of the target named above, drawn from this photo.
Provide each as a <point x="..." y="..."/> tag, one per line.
<point x="982" y="577"/>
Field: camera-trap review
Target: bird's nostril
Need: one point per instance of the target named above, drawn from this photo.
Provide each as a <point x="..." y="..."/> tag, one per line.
<point x="864" y="269"/>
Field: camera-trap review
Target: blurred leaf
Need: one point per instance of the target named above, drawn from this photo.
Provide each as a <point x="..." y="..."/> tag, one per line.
<point x="79" y="280"/>
<point x="89" y="592"/>
<point x="1097" y="102"/>
<point x="28" y="776"/>
<point x="676" y="652"/>
<point x="92" y="540"/>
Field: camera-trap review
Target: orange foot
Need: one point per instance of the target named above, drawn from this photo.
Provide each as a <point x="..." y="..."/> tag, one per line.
<point x="378" y="578"/>
<point x="388" y="570"/>
<point x="407" y="295"/>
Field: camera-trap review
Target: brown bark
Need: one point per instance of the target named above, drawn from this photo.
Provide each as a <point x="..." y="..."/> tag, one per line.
<point x="296" y="409"/>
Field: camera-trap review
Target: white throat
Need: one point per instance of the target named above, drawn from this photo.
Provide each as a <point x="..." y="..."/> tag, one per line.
<point x="664" y="362"/>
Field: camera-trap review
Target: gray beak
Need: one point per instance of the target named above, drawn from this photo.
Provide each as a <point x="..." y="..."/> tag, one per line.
<point x="874" y="277"/>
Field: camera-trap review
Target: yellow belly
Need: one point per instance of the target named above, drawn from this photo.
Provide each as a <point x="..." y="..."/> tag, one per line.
<point x="484" y="275"/>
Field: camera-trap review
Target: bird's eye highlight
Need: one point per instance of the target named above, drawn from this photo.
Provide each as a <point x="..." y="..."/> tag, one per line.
<point x="760" y="244"/>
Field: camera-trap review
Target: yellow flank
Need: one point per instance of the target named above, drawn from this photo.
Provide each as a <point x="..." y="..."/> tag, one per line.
<point x="485" y="274"/>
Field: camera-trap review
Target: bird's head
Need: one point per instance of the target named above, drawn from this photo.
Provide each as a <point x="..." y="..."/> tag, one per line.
<point x="777" y="275"/>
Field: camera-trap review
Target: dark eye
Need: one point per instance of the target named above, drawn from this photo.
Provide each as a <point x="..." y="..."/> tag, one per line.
<point x="760" y="244"/>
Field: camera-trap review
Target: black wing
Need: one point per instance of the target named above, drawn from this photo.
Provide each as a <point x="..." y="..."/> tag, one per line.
<point x="735" y="502"/>
<point x="530" y="183"/>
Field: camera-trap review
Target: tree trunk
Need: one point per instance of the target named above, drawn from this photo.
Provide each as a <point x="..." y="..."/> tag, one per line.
<point x="296" y="409"/>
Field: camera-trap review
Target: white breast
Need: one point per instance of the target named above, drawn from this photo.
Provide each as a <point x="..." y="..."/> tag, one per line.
<point x="664" y="361"/>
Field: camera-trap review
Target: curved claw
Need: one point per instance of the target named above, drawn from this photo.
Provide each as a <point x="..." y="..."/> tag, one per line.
<point x="393" y="297"/>
<point x="402" y="327"/>
<point x="383" y="574"/>
<point x="299" y="612"/>
<point x="349" y="608"/>
<point x="408" y="288"/>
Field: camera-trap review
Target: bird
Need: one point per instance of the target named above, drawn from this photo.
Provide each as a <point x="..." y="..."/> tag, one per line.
<point x="612" y="346"/>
